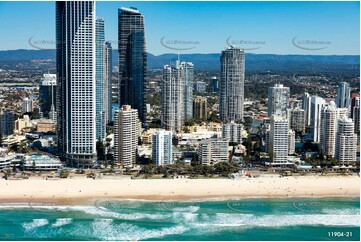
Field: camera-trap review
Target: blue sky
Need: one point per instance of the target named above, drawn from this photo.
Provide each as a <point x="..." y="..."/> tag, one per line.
<point x="267" y="27"/>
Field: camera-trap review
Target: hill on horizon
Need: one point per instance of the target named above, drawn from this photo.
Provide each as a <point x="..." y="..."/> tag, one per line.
<point x="211" y="61"/>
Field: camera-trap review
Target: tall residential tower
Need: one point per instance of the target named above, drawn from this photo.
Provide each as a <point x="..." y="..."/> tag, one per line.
<point x="232" y="84"/>
<point x="75" y="69"/>
<point x="132" y="60"/>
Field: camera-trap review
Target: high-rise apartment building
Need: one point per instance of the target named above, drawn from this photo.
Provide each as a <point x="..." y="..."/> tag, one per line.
<point x="7" y="120"/>
<point x="346" y="141"/>
<point x="232" y="84"/>
<point x="278" y="140"/>
<point x="232" y="132"/>
<point x="126" y="134"/>
<point x="330" y="115"/>
<point x="47" y="94"/>
<point x="296" y="117"/>
<point x="278" y="100"/>
<point x="187" y="77"/>
<point x="108" y="81"/>
<point x="76" y="90"/>
<point x="162" y="147"/>
<point x="200" y="108"/>
<point x="306" y="105"/>
<point x="132" y="60"/>
<point x="317" y="103"/>
<point x="214" y="84"/>
<point x="100" y="80"/>
<point x="27" y="105"/>
<point x="291" y="141"/>
<point x="355" y="114"/>
<point x="343" y="96"/>
<point x="172" y="98"/>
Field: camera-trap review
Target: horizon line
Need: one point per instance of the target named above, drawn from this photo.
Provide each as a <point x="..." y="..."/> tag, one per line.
<point x="210" y="53"/>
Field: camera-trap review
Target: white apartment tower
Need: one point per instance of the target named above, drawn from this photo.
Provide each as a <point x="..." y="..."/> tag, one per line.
<point x="75" y="69"/>
<point x="296" y="117"/>
<point x="291" y="141"/>
<point x="278" y="149"/>
<point x="162" y="147"/>
<point x="232" y="132"/>
<point x="317" y="103"/>
<point x="126" y="133"/>
<point x="329" y="118"/>
<point x="306" y="105"/>
<point x="172" y="98"/>
<point x="346" y="142"/>
<point x="27" y="105"/>
<point x="278" y="100"/>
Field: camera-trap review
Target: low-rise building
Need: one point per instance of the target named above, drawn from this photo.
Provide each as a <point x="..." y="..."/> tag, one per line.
<point x="39" y="162"/>
<point x="213" y="151"/>
<point x="45" y="125"/>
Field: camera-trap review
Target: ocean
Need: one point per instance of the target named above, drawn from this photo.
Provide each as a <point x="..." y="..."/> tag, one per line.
<point x="236" y="219"/>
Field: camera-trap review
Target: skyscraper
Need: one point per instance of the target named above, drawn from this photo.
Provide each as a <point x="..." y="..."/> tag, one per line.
<point x="296" y="117"/>
<point x="187" y="77"/>
<point x="343" y="96"/>
<point x="101" y="82"/>
<point x="7" y="121"/>
<point x="108" y="81"/>
<point x="126" y="136"/>
<point x="162" y="147"/>
<point x="47" y="93"/>
<point x="132" y="60"/>
<point x="356" y="114"/>
<point x="291" y="141"/>
<point x="214" y="84"/>
<point x="172" y="98"/>
<point x="75" y="65"/>
<point x="27" y="105"/>
<point x="317" y="103"/>
<point x="278" y="100"/>
<point x="200" y="107"/>
<point x="328" y="128"/>
<point x="278" y="146"/>
<point x="232" y="84"/>
<point x="346" y="141"/>
<point x="306" y="105"/>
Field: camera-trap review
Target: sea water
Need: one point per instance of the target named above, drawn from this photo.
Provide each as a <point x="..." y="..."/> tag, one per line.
<point x="217" y="219"/>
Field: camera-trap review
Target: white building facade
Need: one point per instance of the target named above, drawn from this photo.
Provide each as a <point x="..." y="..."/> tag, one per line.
<point x="162" y="147"/>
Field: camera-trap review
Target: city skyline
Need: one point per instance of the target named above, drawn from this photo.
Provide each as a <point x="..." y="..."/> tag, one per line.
<point x="260" y="23"/>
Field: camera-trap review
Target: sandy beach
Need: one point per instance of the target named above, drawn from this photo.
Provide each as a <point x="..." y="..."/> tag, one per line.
<point x="81" y="188"/>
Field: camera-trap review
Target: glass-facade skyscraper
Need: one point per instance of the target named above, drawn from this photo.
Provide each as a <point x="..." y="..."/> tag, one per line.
<point x="76" y="68"/>
<point x="132" y="60"/>
<point x="187" y="77"/>
<point x="232" y="84"/>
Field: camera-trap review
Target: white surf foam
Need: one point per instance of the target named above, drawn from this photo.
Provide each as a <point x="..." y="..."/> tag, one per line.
<point x="106" y="230"/>
<point x="62" y="221"/>
<point x="35" y="224"/>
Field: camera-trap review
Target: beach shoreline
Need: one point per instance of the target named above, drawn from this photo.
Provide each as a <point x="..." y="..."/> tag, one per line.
<point x="84" y="190"/>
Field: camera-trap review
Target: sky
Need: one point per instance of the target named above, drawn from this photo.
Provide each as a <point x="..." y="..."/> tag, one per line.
<point x="315" y="28"/>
